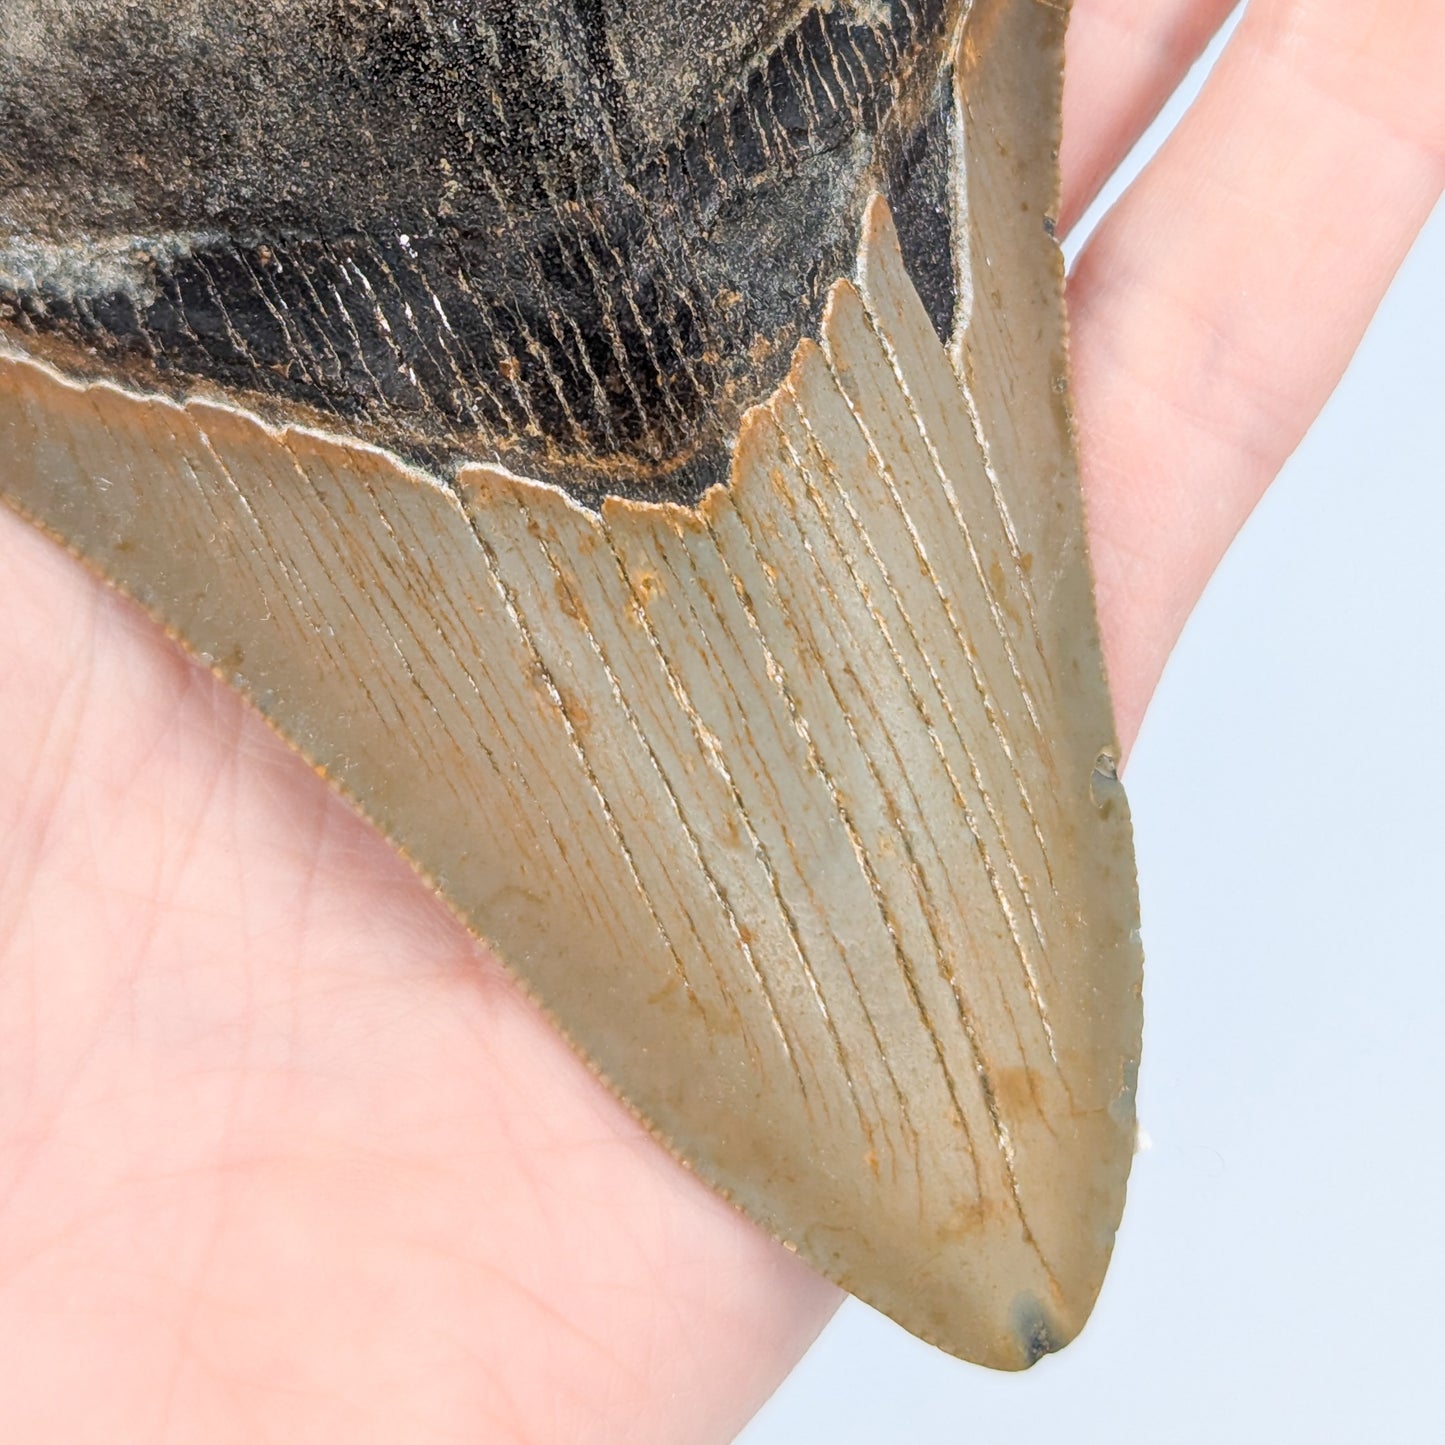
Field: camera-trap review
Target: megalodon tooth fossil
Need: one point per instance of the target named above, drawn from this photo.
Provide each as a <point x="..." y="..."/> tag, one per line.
<point x="644" y="427"/>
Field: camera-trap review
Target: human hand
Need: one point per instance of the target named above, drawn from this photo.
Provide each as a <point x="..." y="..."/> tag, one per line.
<point x="284" y="1154"/>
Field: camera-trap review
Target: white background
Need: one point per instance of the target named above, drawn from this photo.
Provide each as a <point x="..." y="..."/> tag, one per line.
<point x="1280" y="1274"/>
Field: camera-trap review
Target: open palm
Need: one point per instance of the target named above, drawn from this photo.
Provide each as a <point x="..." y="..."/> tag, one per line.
<point x="283" y="1154"/>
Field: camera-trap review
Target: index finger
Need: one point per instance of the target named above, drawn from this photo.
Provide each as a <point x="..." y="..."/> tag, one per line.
<point x="1124" y="58"/>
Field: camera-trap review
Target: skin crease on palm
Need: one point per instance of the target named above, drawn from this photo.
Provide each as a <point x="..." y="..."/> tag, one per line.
<point x="283" y="1154"/>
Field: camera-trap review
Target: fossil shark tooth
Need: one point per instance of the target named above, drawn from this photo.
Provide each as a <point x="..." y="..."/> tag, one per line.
<point x="676" y="475"/>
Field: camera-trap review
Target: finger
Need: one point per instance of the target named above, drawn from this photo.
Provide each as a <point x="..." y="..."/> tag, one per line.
<point x="1220" y="301"/>
<point x="1124" y="60"/>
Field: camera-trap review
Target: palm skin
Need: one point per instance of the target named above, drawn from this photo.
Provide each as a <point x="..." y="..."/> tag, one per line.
<point x="283" y="1154"/>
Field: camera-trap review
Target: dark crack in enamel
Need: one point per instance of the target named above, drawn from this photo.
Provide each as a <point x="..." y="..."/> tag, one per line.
<point x="578" y="237"/>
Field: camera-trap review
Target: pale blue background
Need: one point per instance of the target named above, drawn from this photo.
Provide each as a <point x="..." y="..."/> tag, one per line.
<point x="1280" y="1274"/>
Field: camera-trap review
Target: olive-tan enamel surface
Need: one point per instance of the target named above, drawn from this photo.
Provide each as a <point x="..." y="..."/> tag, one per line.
<point x="797" y="809"/>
